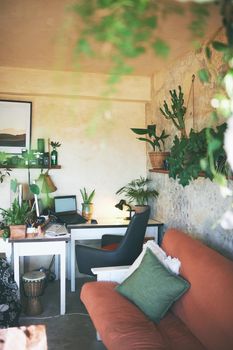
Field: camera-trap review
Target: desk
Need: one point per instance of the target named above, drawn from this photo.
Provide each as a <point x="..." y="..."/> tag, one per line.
<point x="89" y="231"/>
<point x="42" y="246"/>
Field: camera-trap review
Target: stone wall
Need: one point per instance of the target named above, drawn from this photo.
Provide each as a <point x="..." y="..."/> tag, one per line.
<point x="198" y="207"/>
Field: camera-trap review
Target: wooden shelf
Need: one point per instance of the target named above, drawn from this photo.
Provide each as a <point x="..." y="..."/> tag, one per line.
<point x="162" y="171"/>
<point x="30" y="167"/>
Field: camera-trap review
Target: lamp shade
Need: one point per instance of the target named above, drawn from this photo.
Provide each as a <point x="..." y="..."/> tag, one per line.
<point x="46" y="184"/>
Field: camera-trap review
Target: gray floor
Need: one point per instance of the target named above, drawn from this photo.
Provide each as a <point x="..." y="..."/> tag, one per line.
<point x="71" y="331"/>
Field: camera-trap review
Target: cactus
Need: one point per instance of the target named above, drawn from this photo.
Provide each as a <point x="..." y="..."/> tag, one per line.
<point x="177" y="110"/>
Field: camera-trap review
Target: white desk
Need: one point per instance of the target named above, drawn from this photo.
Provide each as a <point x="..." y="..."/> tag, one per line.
<point x="89" y="231"/>
<point x="42" y="246"/>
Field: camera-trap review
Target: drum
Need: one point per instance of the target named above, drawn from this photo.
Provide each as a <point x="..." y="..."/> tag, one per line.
<point x="33" y="285"/>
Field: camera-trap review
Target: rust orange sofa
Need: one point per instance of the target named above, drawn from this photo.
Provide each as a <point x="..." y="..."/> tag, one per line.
<point x="201" y="319"/>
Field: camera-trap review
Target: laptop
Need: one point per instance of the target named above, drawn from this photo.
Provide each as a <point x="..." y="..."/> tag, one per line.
<point x="66" y="210"/>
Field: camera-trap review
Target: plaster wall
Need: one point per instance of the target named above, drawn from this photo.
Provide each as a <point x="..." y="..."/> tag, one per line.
<point x="198" y="207"/>
<point x="98" y="149"/>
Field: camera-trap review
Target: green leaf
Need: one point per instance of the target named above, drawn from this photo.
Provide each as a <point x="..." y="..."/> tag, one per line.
<point x="203" y="164"/>
<point x="34" y="189"/>
<point x="139" y="131"/>
<point x="83" y="46"/>
<point x="213" y="145"/>
<point x="204" y="75"/>
<point x="14" y="185"/>
<point x="219" y="46"/>
<point x="161" y="48"/>
<point x="208" y="52"/>
<point x="151" y="22"/>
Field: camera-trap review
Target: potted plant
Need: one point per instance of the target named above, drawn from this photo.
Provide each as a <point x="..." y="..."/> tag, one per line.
<point x="176" y="112"/>
<point x="156" y="141"/>
<point x="16" y="218"/>
<point x="87" y="205"/>
<point x="137" y="192"/>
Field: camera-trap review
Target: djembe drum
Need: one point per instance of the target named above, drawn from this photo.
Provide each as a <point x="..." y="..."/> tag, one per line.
<point x="33" y="285"/>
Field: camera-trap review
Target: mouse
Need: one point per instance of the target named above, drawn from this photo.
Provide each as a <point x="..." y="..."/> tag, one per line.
<point x="93" y="221"/>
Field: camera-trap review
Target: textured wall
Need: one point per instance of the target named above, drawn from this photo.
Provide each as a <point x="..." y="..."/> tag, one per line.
<point x="197" y="207"/>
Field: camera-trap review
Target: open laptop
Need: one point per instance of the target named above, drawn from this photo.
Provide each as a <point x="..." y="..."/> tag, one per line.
<point x="66" y="210"/>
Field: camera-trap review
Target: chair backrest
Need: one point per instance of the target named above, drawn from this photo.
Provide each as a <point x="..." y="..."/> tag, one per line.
<point x="132" y="242"/>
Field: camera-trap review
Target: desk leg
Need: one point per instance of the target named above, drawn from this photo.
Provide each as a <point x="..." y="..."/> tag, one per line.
<point x="63" y="280"/>
<point x="72" y="264"/>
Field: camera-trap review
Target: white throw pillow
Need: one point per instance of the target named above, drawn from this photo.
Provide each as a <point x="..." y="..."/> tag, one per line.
<point x="172" y="264"/>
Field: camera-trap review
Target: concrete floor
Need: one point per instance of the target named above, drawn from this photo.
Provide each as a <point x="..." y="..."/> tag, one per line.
<point x="72" y="331"/>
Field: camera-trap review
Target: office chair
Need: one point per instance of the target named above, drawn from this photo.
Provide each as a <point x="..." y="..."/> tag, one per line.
<point x="130" y="246"/>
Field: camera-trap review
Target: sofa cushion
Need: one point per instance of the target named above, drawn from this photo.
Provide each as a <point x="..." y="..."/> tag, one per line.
<point x="122" y="325"/>
<point x="152" y="287"/>
<point x="172" y="264"/>
<point x="207" y="308"/>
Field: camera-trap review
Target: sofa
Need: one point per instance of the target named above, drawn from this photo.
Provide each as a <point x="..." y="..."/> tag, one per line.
<point x="201" y="319"/>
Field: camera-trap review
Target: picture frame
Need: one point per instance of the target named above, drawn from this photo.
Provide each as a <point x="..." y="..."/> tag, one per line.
<point x="15" y="126"/>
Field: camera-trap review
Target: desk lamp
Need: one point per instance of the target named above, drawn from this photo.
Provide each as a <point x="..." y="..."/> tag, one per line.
<point x="121" y="205"/>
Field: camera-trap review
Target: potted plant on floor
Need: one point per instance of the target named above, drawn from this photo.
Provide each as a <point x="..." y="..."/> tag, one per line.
<point x="137" y="192"/>
<point x="156" y="141"/>
<point x="87" y="205"/>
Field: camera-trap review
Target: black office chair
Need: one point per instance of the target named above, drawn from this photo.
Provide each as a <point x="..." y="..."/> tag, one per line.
<point x="127" y="251"/>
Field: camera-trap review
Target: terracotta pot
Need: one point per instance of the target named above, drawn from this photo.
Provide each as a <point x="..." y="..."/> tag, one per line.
<point x="87" y="211"/>
<point x="17" y="231"/>
<point x="157" y="159"/>
<point x="140" y="208"/>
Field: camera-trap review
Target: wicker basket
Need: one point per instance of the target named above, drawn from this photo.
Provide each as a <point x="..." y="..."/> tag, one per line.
<point x="157" y="159"/>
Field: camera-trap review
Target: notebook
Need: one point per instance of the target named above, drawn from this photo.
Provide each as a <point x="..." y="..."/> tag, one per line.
<point x="66" y="210"/>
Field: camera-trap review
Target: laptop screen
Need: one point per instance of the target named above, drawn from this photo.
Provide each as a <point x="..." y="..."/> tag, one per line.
<point x="64" y="204"/>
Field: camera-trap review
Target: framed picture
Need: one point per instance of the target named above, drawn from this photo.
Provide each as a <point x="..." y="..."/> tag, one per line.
<point x="15" y="125"/>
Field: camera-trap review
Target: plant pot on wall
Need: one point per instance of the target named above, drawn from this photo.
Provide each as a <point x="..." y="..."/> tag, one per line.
<point x="157" y="159"/>
<point x="140" y="208"/>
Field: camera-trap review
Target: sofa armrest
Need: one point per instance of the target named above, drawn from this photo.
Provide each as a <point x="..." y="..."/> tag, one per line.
<point x="110" y="273"/>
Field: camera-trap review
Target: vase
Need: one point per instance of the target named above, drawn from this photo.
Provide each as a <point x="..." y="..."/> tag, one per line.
<point x="54" y="157"/>
<point x="87" y="211"/>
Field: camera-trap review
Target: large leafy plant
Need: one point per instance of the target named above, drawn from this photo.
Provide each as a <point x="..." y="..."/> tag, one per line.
<point x="156" y="141"/>
<point x="16" y="215"/>
<point x="137" y="191"/>
<point x="185" y="161"/>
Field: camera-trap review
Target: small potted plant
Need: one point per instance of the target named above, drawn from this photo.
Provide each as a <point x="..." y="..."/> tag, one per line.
<point x="16" y="218"/>
<point x="87" y="205"/>
<point x="54" y="154"/>
<point x="156" y="141"/>
<point x="137" y="192"/>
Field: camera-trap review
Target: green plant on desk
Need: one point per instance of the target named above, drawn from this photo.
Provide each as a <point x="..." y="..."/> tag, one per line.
<point x="87" y="205"/>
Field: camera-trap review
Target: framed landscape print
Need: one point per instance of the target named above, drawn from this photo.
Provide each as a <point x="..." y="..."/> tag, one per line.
<point x="15" y="125"/>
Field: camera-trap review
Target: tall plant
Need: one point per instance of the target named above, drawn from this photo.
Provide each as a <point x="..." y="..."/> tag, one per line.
<point x="176" y="111"/>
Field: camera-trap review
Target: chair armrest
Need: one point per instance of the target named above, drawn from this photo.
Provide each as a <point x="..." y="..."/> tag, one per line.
<point x="110" y="273"/>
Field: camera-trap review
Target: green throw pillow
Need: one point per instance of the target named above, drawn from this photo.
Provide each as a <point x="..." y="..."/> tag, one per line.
<point x="152" y="287"/>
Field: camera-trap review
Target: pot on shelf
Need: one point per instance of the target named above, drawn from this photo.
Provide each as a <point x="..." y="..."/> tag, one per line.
<point x="157" y="159"/>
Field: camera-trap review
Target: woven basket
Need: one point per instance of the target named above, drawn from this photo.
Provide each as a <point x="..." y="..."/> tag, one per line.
<point x="157" y="159"/>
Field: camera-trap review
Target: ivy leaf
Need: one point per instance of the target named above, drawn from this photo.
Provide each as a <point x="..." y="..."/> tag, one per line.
<point x="204" y="75"/>
<point x="34" y="189"/>
<point x="151" y="22"/>
<point x="161" y="48"/>
<point x="213" y="145"/>
<point x="219" y="46"/>
<point x="208" y="52"/>
<point x="83" y="46"/>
